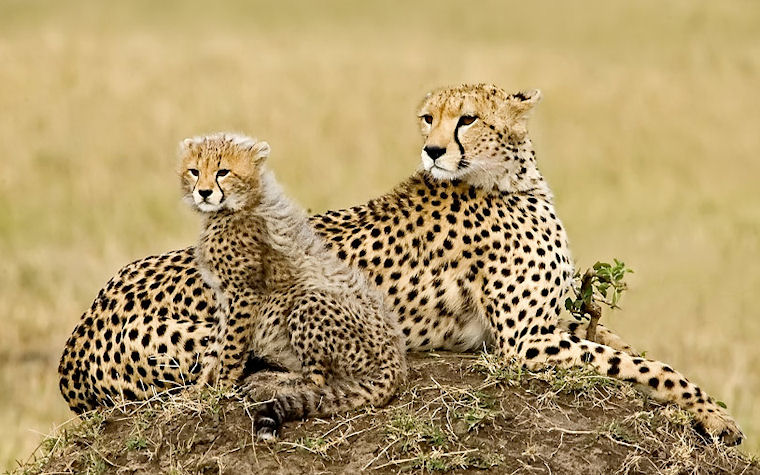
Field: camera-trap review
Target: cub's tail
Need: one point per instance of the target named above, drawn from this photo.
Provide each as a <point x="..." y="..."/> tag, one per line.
<point x="301" y="399"/>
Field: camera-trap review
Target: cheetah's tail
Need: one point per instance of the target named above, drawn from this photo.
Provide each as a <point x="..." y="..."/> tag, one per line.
<point x="341" y="395"/>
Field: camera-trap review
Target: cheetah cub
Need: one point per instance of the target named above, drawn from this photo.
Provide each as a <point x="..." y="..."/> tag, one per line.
<point x="323" y="341"/>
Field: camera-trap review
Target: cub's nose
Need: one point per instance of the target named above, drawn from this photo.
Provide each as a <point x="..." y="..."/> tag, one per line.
<point x="205" y="193"/>
<point x="434" y="152"/>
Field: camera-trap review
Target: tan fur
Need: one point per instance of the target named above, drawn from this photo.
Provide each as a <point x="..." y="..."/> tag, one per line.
<point x="470" y="252"/>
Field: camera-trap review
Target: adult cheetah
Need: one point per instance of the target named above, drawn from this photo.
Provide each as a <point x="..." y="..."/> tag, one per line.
<point x="469" y="251"/>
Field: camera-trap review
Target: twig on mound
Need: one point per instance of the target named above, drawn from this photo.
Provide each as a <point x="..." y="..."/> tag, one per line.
<point x="380" y="454"/>
<point x="444" y="454"/>
<point x="590" y="307"/>
<point x="597" y="433"/>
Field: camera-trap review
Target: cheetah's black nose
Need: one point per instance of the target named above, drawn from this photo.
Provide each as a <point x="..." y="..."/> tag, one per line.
<point x="205" y="193"/>
<point x="434" y="152"/>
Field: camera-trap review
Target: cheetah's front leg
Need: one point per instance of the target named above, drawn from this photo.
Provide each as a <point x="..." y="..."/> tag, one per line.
<point x="210" y="364"/>
<point x="224" y="360"/>
<point x="604" y="335"/>
<point x="529" y="331"/>
<point x="661" y="381"/>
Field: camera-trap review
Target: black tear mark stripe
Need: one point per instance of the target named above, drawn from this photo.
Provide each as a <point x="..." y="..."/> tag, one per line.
<point x="459" y="144"/>
<point x="216" y="176"/>
<point x="216" y="180"/>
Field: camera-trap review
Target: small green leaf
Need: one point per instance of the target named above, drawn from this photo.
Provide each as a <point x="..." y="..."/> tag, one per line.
<point x="721" y="404"/>
<point x="587" y="293"/>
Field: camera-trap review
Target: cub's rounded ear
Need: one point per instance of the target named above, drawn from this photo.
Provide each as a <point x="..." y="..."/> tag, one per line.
<point x="253" y="148"/>
<point x="260" y="151"/>
<point x="189" y="144"/>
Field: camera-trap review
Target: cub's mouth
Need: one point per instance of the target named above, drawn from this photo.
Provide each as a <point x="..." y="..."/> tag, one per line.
<point x="207" y="207"/>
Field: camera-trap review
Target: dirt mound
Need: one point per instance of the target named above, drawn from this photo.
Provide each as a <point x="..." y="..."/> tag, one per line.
<point x="463" y="413"/>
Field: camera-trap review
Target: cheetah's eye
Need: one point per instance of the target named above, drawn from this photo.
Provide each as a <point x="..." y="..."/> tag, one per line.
<point x="193" y="172"/>
<point x="427" y="118"/>
<point x="222" y="172"/>
<point x="467" y="119"/>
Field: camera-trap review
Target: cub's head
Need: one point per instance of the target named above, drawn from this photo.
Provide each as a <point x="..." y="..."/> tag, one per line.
<point x="220" y="171"/>
<point x="472" y="131"/>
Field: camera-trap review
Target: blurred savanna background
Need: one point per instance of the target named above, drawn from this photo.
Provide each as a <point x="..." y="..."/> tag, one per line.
<point x="649" y="134"/>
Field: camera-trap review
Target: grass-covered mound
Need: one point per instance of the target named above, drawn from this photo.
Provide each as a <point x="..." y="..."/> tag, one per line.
<point x="458" y="412"/>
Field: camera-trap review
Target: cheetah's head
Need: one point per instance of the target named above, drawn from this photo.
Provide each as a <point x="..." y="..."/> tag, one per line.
<point x="221" y="170"/>
<point x="471" y="131"/>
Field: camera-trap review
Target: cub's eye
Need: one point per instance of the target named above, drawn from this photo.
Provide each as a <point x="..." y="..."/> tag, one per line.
<point x="193" y="172"/>
<point x="467" y="119"/>
<point x="427" y="118"/>
<point x="222" y="172"/>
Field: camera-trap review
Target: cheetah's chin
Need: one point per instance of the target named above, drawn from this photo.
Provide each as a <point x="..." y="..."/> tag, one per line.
<point x="208" y="207"/>
<point x="441" y="173"/>
<point x="437" y="172"/>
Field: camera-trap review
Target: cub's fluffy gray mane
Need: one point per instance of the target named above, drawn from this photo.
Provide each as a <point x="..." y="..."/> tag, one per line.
<point x="289" y="232"/>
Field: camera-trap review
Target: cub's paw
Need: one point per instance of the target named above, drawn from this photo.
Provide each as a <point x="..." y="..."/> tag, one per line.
<point x="267" y="420"/>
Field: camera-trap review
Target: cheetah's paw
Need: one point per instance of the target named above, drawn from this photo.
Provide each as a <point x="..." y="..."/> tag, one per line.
<point x="720" y="425"/>
<point x="267" y="420"/>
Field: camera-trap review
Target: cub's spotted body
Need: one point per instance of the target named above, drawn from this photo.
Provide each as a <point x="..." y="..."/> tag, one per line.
<point x="282" y="300"/>
<point x="469" y="251"/>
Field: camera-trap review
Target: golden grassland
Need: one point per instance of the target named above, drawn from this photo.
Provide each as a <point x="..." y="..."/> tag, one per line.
<point x="648" y="134"/>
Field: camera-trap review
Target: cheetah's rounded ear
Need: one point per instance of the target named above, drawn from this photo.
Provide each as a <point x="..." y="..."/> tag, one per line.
<point x="253" y="148"/>
<point x="260" y="151"/>
<point x="517" y="108"/>
<point x="189" y="144"/>
<point x="523" y="101"/>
